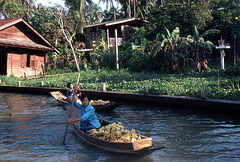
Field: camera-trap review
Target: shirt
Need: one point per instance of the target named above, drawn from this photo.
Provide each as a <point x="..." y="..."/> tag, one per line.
<point x="88" y="116"/>
<point x="69" y="94"/>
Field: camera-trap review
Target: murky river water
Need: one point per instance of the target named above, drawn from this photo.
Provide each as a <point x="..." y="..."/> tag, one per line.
<point x="32" y="129"/>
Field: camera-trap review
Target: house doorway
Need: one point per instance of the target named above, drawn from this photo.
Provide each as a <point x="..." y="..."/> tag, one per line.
<point x="3" y="63"/>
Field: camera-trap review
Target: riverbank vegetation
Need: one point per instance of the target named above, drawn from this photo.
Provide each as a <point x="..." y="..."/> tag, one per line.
<point x="218" y="84"/>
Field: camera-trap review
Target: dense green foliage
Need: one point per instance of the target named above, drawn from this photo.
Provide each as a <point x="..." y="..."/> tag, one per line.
<point x="218" y="84"/>
<point x="179" y="35"/>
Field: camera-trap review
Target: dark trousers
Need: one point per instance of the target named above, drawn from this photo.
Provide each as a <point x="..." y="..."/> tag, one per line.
<point x="89" y="127"/>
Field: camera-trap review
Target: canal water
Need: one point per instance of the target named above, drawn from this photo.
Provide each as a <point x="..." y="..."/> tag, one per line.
<point x="32" y="129"/>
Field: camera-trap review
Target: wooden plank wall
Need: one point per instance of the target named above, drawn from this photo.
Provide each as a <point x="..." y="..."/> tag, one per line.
<point x="17" y="64"/>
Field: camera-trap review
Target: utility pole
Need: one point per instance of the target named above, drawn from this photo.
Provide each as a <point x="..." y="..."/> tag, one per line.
<point x="134" y="8"/>
<point x="162" y="3"/>
<point x="116" y="40"/>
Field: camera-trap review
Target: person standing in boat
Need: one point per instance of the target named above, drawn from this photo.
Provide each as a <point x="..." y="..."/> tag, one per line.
<point x="88" y="119"/>
<point x="70" y="92"/>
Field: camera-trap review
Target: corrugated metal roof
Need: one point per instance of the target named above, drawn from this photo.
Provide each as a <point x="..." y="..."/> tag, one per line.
<point x="22" y="44"/>
<point x="117" y="22"/>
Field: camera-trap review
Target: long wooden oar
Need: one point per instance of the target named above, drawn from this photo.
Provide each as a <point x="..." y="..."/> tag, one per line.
<point x="73" y="99"/>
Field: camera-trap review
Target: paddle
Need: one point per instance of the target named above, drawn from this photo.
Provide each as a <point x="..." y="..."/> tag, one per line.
<point x="73" y="99"/>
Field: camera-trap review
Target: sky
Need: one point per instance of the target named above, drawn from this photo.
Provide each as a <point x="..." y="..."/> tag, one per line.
<point x="51" y="2"/>
<point x="61" y="2"/>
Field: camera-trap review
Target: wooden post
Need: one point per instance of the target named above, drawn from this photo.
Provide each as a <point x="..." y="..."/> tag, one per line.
<point x="104" y="87"/>
<point x="108" y="41"/>
<point x="35" y="73"/>
<point x="235" y="52"/>
<point x="146" y="90"/>
<point x="19" y="83"/>
<point x="161" y="3"/>
<point x="203" y="94"/>
<point x="43" y="69"/>
<point x="25" y="75"/>
<point x="221" y="47"/>
<point x="134" y="3"/>
<point x="123" y="32"/>
<point x="85" y="66"/>
<point x="129" y="8"/>
<point x="116" y="49"/>
<point x="0" y="82"/>
<point x="42" y="83"/>
<point x="222" y="59"/>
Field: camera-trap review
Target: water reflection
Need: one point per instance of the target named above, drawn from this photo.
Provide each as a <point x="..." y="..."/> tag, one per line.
<point x="32" y="129"/>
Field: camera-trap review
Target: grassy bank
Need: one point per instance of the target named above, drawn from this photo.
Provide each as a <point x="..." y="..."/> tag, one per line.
<point x="218" y="84"/>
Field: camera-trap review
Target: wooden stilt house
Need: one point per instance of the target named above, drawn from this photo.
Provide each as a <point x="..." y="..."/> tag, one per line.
<point x="124" y="28"/>
<point x="23" y="51"/>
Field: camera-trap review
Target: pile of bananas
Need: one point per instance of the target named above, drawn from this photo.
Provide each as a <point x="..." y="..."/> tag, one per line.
<point x="95" y="102"/>
<point x="79" y="101"/>
<point x="98" y="102"/>
<point x="115" y="133"/>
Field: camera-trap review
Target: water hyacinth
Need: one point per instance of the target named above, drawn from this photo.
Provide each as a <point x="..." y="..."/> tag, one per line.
<point x="218" y="85"/>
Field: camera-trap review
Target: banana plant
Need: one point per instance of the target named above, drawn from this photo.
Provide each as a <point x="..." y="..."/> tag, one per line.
<point x="170" y="43"/>
<point x="201" y="47"/>
<point x="99" y="50"/>
<point x="137" y="52"/>
<point x="101" y="45"/>
<point x="156" y="48"/>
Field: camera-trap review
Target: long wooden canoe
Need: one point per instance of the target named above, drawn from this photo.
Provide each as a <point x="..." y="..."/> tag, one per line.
<point x="140" y="148"/>
<point x="99" y="106"/>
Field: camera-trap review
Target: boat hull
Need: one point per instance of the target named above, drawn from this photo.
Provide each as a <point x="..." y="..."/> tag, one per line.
<point x="139" y="148"/>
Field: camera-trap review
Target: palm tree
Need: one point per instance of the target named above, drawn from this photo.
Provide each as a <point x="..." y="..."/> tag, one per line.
<point x="137" y="8"/>
<point x="77" y="9"/>
<point x="111" y="6"/>
<point x="94" y="14"/>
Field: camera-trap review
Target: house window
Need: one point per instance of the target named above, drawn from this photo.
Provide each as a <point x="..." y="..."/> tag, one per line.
<point x="28" y="60"/>
<point x="32" y="63"/>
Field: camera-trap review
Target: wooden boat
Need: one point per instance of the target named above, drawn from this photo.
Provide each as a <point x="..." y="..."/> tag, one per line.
<point x="140" y="148"/>
<point x="99" y="105"/>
